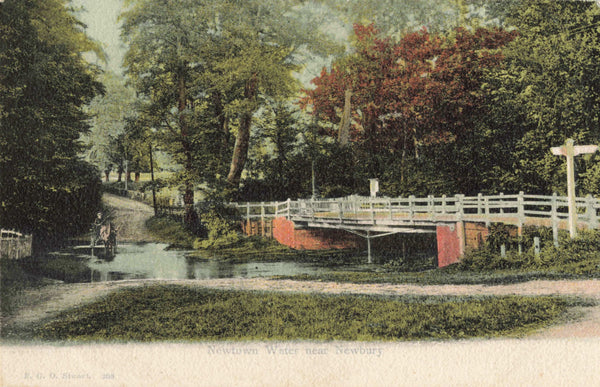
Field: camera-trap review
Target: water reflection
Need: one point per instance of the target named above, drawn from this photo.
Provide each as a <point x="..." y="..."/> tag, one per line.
<point x="154" y="261"/>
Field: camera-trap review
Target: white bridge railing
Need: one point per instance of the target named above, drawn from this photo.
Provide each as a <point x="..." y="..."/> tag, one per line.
<point x="519" y="209"/>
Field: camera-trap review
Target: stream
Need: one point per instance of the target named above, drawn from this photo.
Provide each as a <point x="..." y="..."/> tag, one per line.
<point x="155" y="261"/>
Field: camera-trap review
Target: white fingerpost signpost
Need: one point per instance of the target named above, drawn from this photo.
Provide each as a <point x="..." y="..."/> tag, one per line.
<point x="569" y="150"/>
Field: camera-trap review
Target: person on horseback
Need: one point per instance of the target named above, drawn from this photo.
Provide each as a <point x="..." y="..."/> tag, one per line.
<point x="98" y="223"/>
<point x="104" y="231"/>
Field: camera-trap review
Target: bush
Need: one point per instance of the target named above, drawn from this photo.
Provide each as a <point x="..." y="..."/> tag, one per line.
<point x="170" y="231"/>
<point x="577" y="256"/>
<point x="220" y="232"/>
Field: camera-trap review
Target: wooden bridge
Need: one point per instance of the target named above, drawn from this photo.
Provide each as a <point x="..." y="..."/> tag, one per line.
<point x="372" y="217"/>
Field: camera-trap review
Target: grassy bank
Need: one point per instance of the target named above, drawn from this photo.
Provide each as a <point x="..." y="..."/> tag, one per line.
<point x="245" y="249"/>
<point x="170" y="231"/>
<point x="434" y="277"/>
<point x="34" y="272"/>
<point x="179" y="313"/>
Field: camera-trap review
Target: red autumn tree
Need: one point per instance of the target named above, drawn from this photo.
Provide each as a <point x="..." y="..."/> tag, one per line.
<point x="418" y="91"/>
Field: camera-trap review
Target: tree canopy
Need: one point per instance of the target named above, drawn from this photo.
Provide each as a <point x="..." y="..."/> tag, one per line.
<point x="45" y="187"/>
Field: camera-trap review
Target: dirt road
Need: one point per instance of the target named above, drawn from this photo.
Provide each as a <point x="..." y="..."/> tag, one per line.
<point x="129" y="217"/>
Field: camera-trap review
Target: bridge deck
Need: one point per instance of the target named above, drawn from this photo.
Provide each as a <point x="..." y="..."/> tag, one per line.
<point x="424" y="214"/>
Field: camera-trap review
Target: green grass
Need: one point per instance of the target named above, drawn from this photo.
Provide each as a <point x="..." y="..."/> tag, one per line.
<point x="173" y="313"/>
<point x="65" y="268"/>
<point x="257" y="249"/>
<point x="433" y="277"/>
<point x="14" y="279"/>
<point x="19" y="275"/>
<point x="170" y="231"/>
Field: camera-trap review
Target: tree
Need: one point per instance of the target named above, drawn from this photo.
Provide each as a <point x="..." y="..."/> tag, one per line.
<point x="407" y="95"/>
<point x="548" y="91"/>
<point x="45" y="188"/>
<point x="109" y="114"/>
<point x="277" y="167"/>
<point x="205" y="70"/>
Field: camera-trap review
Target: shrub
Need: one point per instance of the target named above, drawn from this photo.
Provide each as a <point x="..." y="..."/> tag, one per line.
<point x="171" y="231"/>
<point x="222" y="231"/>
<point x="577" y="256"/>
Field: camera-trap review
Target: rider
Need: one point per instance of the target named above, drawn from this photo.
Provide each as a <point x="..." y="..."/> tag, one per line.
<point x="98" y="223"/>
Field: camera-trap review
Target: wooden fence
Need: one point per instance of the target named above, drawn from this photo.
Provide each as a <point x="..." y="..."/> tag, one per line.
<point x="14" y="245"/>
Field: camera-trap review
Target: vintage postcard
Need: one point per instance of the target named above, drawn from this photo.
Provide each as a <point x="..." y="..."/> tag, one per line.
<point x="299" y="192"/>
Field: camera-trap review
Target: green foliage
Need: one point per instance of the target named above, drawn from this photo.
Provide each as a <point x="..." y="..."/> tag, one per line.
<point x="221" y="232"/>
<point x="14" y="280"/>
<point x="171" y="231"/>
<point x="546" y="92"/>
<point x="109" y="142"/>
<point x="44" y="82"/>
<point x="64" y="268"/>
<point x="220" y="225"/>
<point x="180" y="313"/>
<point x="205" y="69"/>
<point x="579" y="256"/>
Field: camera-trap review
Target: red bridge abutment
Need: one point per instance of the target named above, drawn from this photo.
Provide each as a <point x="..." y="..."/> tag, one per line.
<point x="452" y="239"/>
<point x="285" y="232"/>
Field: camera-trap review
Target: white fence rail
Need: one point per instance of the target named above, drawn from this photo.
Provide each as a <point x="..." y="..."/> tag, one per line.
<point x="519" y="209"/>
<point x="14" y="245"/>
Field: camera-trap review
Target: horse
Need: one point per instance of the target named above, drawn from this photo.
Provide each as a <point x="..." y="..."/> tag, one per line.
<point x="108" y="235"/>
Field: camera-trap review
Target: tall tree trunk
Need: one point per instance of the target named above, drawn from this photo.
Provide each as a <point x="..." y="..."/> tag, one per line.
<point x="107" y="175"/>
<point x="191" y="217"/>
<point x="242" y="141"/>
<point x="344" y="131"/>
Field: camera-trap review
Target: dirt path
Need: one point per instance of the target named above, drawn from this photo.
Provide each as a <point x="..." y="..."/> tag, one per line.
<point x="129" y="217"/>
<point x="53" y="299"/>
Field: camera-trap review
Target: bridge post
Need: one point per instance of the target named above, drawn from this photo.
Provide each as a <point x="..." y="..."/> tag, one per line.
<point x="591" y="212"/>
<point x="262" y="219"/>
<point x="431" y="205"/>
<point x="248" y="224"/>
<point x="444" y="204"/>
<point x="460" y="225"/>
<point x="369" y="258"/>
<point x="521" y="212"/>
<point x="554" y="216"/>
<point x="487" y="211"/>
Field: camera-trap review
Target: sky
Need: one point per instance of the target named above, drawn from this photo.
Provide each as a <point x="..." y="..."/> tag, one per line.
<point x="100" y="16"/>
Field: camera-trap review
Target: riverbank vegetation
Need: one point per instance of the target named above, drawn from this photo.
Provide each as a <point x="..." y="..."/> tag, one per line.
<point x="574" y="259"/>
<point x="173" y="313"/>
